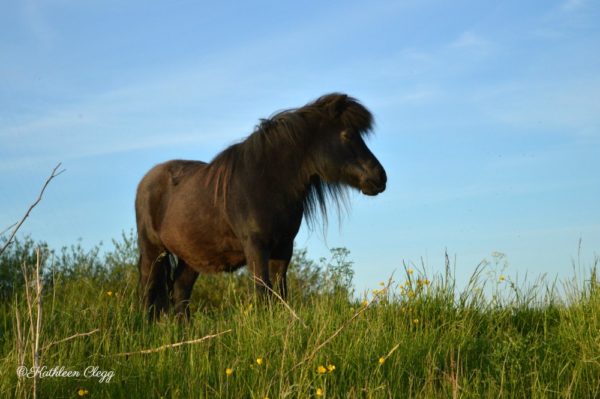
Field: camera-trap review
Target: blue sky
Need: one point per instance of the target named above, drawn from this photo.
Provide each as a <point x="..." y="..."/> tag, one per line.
<point x="488" y="116"/>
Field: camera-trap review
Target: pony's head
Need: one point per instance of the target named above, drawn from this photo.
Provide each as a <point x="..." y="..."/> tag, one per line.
<point x="340" y="154"/>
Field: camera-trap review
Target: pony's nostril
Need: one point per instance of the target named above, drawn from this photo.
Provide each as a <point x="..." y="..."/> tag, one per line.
<point x="377" y="184"/>
<point x="372" y="186"/>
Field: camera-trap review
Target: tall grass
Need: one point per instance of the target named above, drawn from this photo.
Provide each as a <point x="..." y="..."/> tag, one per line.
<point x="415" y="336"/>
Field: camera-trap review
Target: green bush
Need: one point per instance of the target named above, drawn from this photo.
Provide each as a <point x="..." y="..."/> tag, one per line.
<point x="18" y="255"/>
<point x="305" y="277"/>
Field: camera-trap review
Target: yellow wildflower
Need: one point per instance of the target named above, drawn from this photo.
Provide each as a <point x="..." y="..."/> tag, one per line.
<point x="410" y="271"/>
<point x="501" y="278"/>
<point x="259" y="361"/>
<point x="319" y="392"/>
<point x="82" y="392"/>
<point x="381" y="360"/>
<point x="330" y="368"/>
<point x="228" y="371"/>
<point x="365" y="302"/>
<point x="321" y="369"/>
<point x="416" y="321"/>
<point x="109" y="293"/>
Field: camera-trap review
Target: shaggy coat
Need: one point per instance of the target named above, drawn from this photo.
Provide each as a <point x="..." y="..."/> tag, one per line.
<point x="245" y="207"/>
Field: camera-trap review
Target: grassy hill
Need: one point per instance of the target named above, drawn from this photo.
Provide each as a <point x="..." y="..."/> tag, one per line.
<point x="413" y="336"/>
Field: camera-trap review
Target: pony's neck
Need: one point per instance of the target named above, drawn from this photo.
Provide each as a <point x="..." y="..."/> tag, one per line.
<point x="290" y="173"/>
<point x="284" y="153"/>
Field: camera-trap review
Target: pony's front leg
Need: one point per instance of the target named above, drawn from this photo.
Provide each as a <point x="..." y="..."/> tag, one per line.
<point x="257" y="258"/>
<point x="278" y="266"/>
<point x="278" y="271"/>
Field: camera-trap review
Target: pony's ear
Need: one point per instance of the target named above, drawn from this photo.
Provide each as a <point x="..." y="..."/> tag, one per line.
<point x="338" y="105"/>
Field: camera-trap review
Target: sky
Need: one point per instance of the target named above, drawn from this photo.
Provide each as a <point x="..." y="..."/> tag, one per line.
<point x="487" y="117"/>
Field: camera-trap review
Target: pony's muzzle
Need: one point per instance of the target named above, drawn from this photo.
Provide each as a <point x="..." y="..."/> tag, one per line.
<point x="374" y="180"/>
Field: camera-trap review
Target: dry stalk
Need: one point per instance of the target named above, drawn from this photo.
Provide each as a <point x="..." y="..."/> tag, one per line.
<point x="29" y="301"/>
<point x="20" y="352"/>
<point x="70" y="338"/>
<point x="288" y="307"/>
<point x="170" y="346"/>
<point x="335" y="334"/>
<point x="34" y="304"/>
<point x="38" y="324"/>
<point x="20" y="345"/>
<point x="8" y="228"/>
<point x="54" y="174"/>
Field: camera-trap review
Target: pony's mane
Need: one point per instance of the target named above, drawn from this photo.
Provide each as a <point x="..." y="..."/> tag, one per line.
<point x="293" y="129"/>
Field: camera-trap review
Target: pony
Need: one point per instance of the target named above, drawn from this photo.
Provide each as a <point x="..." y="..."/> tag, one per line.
<point x="246" y="206"/>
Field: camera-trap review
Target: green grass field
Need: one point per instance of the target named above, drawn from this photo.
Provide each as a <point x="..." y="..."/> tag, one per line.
<point x="416" y="336"/>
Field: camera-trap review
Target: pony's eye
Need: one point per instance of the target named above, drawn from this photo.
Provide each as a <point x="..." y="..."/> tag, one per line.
<point x="345" y="135"/>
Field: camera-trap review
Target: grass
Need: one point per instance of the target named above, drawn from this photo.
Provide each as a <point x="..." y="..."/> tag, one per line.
<point x="419" y="337"/>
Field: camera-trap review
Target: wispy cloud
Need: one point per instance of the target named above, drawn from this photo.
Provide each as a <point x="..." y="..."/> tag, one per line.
<point x="37" y="23"/>
<point x="64" y="152"/>
<point x="409" y="97"/>
<point x="571" y="105"/>
<point x="469" y="40"/>
<point x="570" y="5"/>
<point x="204" y="84"/>
<point x="221" y="92"/>
<point x="426" y="194"/>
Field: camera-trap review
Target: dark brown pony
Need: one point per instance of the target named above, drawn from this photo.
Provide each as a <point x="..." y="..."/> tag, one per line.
<point x="245" y="206"/>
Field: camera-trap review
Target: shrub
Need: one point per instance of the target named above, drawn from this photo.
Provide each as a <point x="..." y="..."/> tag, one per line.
<point x="332" y="276"/>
